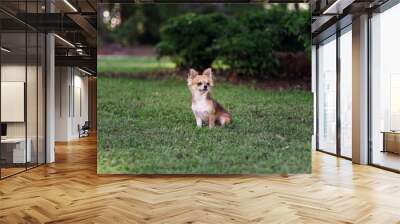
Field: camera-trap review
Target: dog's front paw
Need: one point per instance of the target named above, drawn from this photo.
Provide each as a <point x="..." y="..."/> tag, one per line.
<point x="199" y="122"/>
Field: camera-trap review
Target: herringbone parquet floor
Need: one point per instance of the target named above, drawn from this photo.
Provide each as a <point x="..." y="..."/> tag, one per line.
<point x="69" y="191"/>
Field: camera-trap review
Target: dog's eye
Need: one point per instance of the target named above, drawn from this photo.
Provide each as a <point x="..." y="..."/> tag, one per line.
<point x="208" y="83"/>
<point x="199" y="84"/>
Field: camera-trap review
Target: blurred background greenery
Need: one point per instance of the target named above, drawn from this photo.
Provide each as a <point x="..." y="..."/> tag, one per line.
<point x="246" y="40"/>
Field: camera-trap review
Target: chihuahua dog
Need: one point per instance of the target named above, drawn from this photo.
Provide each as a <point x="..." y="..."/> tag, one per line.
<point x="204" y="107"/>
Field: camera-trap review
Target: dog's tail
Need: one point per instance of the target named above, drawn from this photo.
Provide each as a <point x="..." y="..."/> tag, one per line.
<point x="225" y="119"/>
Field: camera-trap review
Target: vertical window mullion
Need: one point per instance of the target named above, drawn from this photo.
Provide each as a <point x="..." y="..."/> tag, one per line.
<point x="0" y="92"/>
<point x="338" y="76"/>
<point x="369" y="90"/>
<point x="44" y="71"/>
<point x="317" y="96"/>
<point x="37" y="89"/>
<point x="26" y="85"/>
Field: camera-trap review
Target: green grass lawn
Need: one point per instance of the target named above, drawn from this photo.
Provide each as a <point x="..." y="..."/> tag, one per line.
<point x="147" y="126"/>
<point x="130" y="64"/>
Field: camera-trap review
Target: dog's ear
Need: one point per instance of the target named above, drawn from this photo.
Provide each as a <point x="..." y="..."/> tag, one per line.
<point x="208" y="72"/>
<point x="192" y="73"/>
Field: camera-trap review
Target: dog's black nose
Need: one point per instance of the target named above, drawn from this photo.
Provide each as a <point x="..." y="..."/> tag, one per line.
<point x="205" y="87"/>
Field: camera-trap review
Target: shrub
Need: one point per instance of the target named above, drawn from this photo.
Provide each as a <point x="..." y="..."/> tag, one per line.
<point x="295" y="29"/>
<point x="190" y="39"/>
<point x="251" y="44"/>
<point x="248" y="44"/>
<point x="140" y="22"/>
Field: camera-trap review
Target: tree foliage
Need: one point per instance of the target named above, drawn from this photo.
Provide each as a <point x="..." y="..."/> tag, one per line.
<point x="190" y="40"/>
<point x="246" y="44"/>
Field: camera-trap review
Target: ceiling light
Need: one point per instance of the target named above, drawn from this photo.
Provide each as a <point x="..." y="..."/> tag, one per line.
<point x="70" y="5"/>
<point x="64" y="40"/>
<point x="86" y="72"/>
<point x="5" y="50"/>
<point x="79" y="51"/>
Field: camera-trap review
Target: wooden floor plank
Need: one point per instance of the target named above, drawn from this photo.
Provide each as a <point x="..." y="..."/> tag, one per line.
<point x="70" y="191"/>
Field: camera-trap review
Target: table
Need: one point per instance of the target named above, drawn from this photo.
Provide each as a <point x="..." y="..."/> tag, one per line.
<point x="13" y="150"/>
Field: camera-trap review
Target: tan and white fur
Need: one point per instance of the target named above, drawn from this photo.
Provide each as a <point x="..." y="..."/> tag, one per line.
<point x="204" y="107"/>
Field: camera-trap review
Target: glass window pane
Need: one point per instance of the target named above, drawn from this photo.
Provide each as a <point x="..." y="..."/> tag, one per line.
<point x="385" y="89"/>
<point x="22" y="88"/>
<point x="346" y="92"/>
<point x="14" y="153"/>
<point x="31" y="97"/>
<point x="327" y="95"/>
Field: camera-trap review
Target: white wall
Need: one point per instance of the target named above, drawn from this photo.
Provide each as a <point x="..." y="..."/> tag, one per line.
<point x="80" y="96"/>
<point x="62" y="82"/>
<point x="12" y="73"/>
<point x="71" y="87"/>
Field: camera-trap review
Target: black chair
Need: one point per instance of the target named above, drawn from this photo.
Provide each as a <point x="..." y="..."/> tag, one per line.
<point x="84" y="130"/>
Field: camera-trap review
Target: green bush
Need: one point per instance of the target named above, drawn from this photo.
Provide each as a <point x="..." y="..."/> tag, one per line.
<point x="250" y="43"/>
<point x="246" y="44"/>
<point x="140" y="23"/>
<point x="190" y="39"/>
<point x="295" y="29"/>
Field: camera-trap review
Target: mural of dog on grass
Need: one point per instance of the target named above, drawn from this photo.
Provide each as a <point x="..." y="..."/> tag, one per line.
<point x="204" y="107"/>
